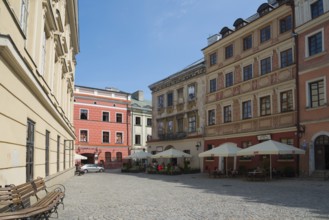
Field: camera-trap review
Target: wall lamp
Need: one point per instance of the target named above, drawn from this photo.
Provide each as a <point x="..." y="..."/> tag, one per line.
<point x="198" y="145"/>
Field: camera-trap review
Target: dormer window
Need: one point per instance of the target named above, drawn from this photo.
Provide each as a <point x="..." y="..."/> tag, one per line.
<point x="225" y="31"/>
<point x="264" y="9"/>
<point x="239" y="23"/>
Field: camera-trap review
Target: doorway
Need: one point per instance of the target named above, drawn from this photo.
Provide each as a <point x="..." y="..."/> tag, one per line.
<point x="321" y="152"/>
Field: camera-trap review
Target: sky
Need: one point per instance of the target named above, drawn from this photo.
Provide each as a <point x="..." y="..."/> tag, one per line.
<point x="131" y="44"/>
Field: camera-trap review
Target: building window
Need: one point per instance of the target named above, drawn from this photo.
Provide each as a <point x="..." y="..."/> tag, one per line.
<point x="149" y="122"/>
<point x="119" y="156"/>
<point x="212" y="85"/>
<point x="209" y="146"/>
<point x="285" y="24"/>
<point x="317" y="95"/>
<point x="180" y="95"/>
<point x="315" y="44"/>
<point x="180" y="124"/>
<point x="229" y="51"/>
<point x="316" y="9"/>
<point x="107" y="156"/>
<point x="286" y="58"/>
<point x="288" y="141"/>
<point x="24" y="14"/>
<point x="265" y="105"/>
<point x="247" y="42"/>
<point x="30" y="150"/>
<point x="160" y="101"/>
<point x="47" y="152"/>
<point x="191" y="92"/>
<point x="245" y="144"/>
<point x="265" y="66"/>
<point x="191" y="123"/>
<point x="58" y="150"/>
<point x="265" y="34"/>
<point x="84" y="114"/>
<point x="247" y="72"/>
<point x="170" y="126"/>
<point x="137" y="139"/>
<point x="119" y="117"/>
<point x="137" y="120"/>
<point x="246" y="109"/>
<point x="229" y="79"/>
<point x="211" y="117"/>
<point x="286" y="100"/>
<point x="106" y="137"/>
<point x="213" y="59"/>
<point x="119" y="137"/>
<point x="106" y="116"/>
<point x="160" y="127"/>
<point x="227" y="114"/>
<point x="83" y="136"/>
<point x="170" y="100"/>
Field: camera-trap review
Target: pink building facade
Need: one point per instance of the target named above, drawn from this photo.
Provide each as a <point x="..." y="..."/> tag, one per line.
<point x="102" y="125"/>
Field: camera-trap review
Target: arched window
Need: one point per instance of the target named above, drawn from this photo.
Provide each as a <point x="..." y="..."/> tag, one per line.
<point x="108" y="156"/>
<point x="322" y="140"/>
<point x="119" y="156"/>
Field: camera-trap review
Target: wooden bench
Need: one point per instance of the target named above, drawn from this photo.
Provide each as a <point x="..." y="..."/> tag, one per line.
<point x="17" y="200"/>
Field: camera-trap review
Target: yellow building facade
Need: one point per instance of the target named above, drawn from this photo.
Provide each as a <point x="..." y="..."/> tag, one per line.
<point x="38" y="44"/>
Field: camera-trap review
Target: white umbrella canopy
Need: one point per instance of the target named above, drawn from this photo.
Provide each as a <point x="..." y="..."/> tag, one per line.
<point x="268" y="148"/>
<point x="224" y="150"/>
<point x="80" y="157"/>
<point x="139" y="155"/>
<point x="171" y="153"/>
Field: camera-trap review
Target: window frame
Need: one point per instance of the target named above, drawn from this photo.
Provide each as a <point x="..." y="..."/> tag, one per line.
<point x="250" y="75"/>
<point x="212" y="85"/>
<point x="116" y="137"/>
<point x="191" y="96"/>
<point x="138" y="139"/>
<point x="265" y="34"/>
<point x="286" y="58"/>
<point x="116" y="117"/>
<point x="192" y="123"/>
<point x="211" y="117"/>
<point x="285" y="24"/>
<point x="289" y="101"/>
<point x="170" y="99"/>
<point x="308" y="51"/>
<point x="86" y="136"/>
<point x="247" y="42"/>
<point x="316" y="9"/>
<point x="268" y="109"/>
<point x="147" y="122"/>
<point x="81" y="113"/>
<point x="229" y="51"/>
<point x="213" y="59"/>
<point x="248" y="114"/>
<point x="104" y="114"/>
<point x="227" y="114"/>
<point x="309" y="94"/>
<point x="160" y="101"/>
<point x="229" y="79"/>
<point x="139" y="121"/>
<point x="109" y="139"/>
<point x="266" y="67"/>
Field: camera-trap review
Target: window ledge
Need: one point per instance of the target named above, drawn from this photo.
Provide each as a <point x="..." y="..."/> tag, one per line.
<point x="316" y="108"/>
<point x="315" y="56"/>
<point x="285" y="160"/>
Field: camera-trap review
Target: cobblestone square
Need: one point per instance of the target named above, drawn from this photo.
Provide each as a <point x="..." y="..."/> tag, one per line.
<point x="116" y="195"/>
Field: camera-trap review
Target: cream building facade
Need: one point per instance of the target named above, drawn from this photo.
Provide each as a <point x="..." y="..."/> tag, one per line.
<point x="38" y="44"/>
<point x="141" y="116"/>
<point x="178" y="115"/>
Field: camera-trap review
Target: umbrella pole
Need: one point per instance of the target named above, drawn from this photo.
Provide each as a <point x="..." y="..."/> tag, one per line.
<point x="270" y="167"/>
<point x="226" y="165"/>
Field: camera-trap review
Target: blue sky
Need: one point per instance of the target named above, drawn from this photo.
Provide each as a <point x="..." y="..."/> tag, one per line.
<point x="130" y="44"/>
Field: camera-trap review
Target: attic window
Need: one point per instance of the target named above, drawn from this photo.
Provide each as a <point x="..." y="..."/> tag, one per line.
<point x="225" y="31"/>
<point x="264" y="9"/>
<point x="239" y="23"/>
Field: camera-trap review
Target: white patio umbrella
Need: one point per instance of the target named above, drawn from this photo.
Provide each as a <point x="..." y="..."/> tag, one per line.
<point x="171" y="153"/>
<point x="268" y="148"/>
<point x="80" y="157"/>
<point x="224" y="150"/>
<point x="139" y="155"/>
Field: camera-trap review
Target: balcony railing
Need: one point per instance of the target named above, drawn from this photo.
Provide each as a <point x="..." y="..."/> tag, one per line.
<point x="173" y="136"/>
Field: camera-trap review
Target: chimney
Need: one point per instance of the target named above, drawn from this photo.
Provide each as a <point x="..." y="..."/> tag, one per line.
<point x="138" y="95"/>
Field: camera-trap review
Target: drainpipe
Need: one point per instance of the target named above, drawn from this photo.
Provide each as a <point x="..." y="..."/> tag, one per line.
<point x="295" y="35"/>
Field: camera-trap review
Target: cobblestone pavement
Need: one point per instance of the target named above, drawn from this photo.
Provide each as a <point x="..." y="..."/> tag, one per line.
<point x="116" y="195"/>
